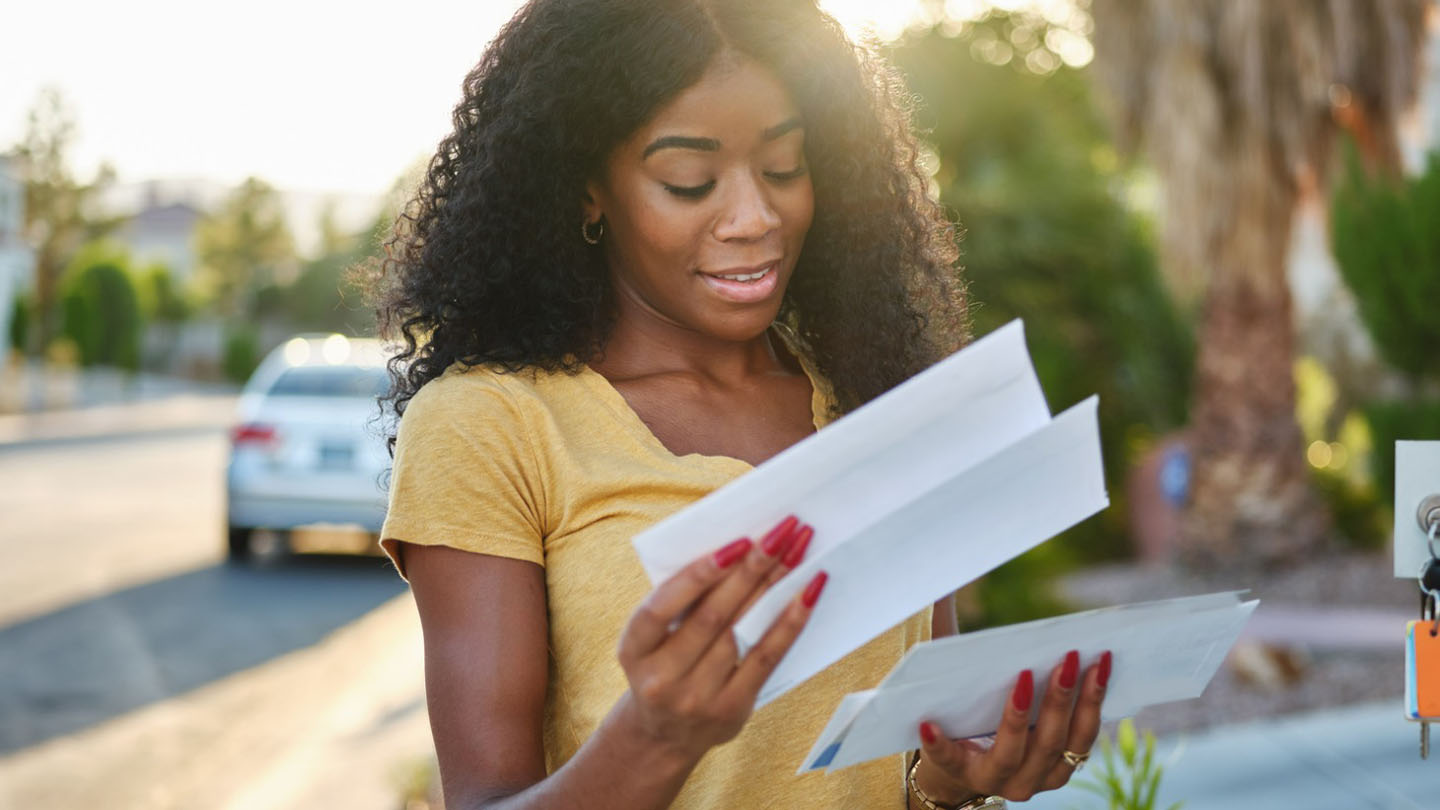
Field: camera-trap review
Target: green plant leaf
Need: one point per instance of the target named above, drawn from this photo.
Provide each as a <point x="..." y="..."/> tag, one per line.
<point x="1125" y="739"/>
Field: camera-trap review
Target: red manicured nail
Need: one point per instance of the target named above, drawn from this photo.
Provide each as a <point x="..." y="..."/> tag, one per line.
<point x="927" y="733"/>
<point x="1024" y="691"/>
<point x="1103" y="677"/>
<point x="797" y="548"/>
<point x="812" y="591"/>
<point x="732" y="553"/>
<point x="1070" y="670"/>
<point x="775" y="542"/>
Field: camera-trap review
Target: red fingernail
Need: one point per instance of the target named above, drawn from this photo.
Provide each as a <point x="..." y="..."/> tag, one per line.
<point x="812" y="591"/>
<point x="732" y="553"/>
<point x="1070" y="670"/>
<point x="1104" y="675"/>
<point x="1024" y="691"/>
<point x="775" y="542"/>
<point x="797" y="548"/>
<point x="927" y="733"/>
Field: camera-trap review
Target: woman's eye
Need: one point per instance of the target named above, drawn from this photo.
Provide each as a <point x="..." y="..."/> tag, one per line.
<point x="690" y="192"/>
<point x="790" y="175"/>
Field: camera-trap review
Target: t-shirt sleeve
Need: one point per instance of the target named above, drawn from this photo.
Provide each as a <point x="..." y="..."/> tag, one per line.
<point x="465" y="474"/>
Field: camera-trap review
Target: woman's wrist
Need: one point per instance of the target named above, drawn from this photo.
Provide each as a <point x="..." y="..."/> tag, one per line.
<point x="621" y="765"/>
<point x="939" y="786"/>
<point x="642" y="745"/>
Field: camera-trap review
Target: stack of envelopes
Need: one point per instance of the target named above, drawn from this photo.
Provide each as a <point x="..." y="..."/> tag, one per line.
<point x="1163" y="651"/>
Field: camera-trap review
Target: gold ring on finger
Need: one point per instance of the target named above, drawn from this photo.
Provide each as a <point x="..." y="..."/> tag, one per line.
<point x="1074" y="760"/>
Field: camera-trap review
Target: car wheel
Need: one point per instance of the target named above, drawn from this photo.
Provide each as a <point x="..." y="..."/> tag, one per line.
<point x="239" y="550"/>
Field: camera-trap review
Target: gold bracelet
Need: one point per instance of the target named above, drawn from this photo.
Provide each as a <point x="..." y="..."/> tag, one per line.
<point x="928" y="803"/>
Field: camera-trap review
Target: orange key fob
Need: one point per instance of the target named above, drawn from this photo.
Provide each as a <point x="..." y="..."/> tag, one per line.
<point x="1422" y="671"/>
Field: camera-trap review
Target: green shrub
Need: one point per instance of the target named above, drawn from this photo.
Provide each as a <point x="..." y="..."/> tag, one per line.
<point x="1386" y="238"/>
<point x="1393" y="421"/>
<point x="102" y="313"/>
<point x="160" y="298"/>
<point x="1362" y="517"/>
<point x="1022" y="589"/>
<point x="241" y="353"/>
<point x="324" y="299"/>
<point x="19" y="323"/>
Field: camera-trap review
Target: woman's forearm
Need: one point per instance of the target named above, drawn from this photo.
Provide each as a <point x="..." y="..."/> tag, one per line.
<point x="617" y="768"/>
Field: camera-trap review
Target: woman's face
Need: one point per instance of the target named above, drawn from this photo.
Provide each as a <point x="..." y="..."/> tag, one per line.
<point x="706" y="206"/>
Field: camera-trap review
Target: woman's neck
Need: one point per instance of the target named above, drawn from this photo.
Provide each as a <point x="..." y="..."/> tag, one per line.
<point x="643" y="342"/>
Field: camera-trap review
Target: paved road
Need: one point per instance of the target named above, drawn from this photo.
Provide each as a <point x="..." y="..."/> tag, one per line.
<point x="138" y="670"/>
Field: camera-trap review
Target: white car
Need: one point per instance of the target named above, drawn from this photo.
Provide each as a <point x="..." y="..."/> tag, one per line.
<point x="305" y="449"/>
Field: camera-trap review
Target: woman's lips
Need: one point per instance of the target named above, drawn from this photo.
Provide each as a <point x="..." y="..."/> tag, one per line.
<point x="745" y="292"/>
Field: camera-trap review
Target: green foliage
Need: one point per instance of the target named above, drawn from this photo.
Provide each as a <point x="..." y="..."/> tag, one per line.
<point x="61" y="212"/>
<point x="1341" y="474"/>
<point x="241" y="353"/>
<point x="160" y="299"/>
<point x="1362" y="518"/>
<point x="19" y="322"/>
<point x="1127" y="776"/>
<point x="1017" y="591"/>
<point x="1024" y="161"/>
<point x="324" y="299"/>
<point x="1393" y="421"/>
<point x="101" y="310"/>
<point x="1387" y="242"/>
<point x="242" y="247"/>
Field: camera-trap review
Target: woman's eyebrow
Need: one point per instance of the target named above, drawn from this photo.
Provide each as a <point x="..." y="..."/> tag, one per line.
<point x="681" y="142"/>
<point x="713" y="145"/>
<point x="781" y="128"/>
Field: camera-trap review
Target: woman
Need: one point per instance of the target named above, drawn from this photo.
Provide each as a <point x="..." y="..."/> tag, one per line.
<point x="666" y="240"/>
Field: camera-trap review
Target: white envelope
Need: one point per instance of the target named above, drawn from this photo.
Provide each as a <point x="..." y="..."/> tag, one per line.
<point x="922" y="490"/>
<point x="1162" y="651"/>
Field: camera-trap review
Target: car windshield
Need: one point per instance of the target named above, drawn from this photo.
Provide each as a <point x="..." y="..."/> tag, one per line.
<point x="331" y="381"/>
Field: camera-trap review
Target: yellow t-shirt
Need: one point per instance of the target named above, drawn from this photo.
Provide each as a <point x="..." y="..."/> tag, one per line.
<point x="557" y="469"/>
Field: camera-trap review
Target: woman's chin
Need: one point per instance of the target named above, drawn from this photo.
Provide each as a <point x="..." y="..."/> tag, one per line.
<point x="740" y="327"/>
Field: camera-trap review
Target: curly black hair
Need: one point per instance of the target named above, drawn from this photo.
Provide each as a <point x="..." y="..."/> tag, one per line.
<point x="485" y="265"/>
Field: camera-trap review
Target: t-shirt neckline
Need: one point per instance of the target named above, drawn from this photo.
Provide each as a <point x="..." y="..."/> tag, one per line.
<point x="625" y="414"/>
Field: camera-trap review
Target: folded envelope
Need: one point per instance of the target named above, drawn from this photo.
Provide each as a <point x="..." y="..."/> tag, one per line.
<point x="1162" y="651"/>
<point x="922" y="490"/>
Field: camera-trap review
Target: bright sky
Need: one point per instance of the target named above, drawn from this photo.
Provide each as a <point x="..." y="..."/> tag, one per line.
<point x="306" y="94"/>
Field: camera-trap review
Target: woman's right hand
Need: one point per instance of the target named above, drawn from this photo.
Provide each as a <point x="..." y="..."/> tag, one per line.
<point x="689" y="690"/>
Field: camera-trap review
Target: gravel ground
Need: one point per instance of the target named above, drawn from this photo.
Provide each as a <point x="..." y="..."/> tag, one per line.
<point x="1302" y="676"/>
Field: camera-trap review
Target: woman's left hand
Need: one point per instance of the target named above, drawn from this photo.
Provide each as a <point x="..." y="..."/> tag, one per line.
<point x="1023" y="761"/>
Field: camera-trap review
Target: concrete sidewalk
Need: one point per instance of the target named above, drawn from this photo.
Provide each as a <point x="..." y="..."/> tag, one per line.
<point x="42" y="404"/>
<point x="1342" y="628"/>
<point x="176" y="413"/>
<point x="1364" y="756"/>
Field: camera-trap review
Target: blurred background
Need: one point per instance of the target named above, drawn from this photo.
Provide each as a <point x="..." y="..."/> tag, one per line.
<point x="1223" y="217"/>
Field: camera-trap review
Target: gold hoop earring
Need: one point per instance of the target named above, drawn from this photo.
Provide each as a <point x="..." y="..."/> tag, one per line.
<point x="585" y="232"/>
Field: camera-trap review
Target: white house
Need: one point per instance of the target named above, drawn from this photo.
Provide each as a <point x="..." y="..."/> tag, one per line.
<point x="163" y="231"/>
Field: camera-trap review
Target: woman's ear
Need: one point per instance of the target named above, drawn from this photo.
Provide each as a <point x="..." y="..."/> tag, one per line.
<point x="589" y="202"/>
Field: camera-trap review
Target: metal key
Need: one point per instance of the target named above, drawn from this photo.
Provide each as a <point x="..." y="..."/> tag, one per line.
<point x="1427" y="606"/>
<point x="1429" y="599"/>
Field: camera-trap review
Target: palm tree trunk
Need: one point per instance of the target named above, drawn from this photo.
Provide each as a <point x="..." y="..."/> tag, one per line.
<point x="1251" y="501"/>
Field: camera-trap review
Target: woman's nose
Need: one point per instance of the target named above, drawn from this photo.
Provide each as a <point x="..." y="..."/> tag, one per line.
<point x="748" y="213"/>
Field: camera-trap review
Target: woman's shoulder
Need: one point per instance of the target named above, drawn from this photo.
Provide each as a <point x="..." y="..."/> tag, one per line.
<point x="484" y="391"/>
